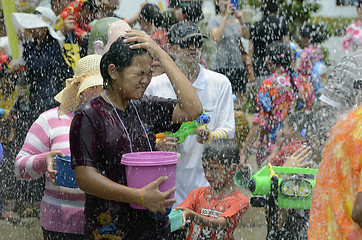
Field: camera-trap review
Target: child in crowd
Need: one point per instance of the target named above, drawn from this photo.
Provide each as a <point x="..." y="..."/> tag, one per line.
<point x="290" y="139"/>
<point x="310" y="61"/>
<point x="151" y="20"/>
<point x="311" y="35"/>
<point x="282" y="93"/>
<point x="216" y="210"/>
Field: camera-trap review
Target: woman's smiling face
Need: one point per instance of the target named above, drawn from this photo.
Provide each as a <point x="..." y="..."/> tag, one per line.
<point x="133" y="80"/>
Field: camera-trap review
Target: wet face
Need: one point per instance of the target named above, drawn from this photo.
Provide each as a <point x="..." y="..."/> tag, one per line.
<point x="223" y="4"/>
<point x="132" y="82"/>
<point x="289" y="130"/>
<point x="188" y="51"/>
<point x="178" y="15"/>
<point x="86" y="15"/>
<point x="36" y="34"/>
<point x="217" y="174"/>
<point x="110" y="4"/>
<point x="89" y="93"/>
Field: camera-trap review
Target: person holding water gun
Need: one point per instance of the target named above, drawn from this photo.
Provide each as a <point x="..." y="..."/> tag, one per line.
<point x="84" y="11"/>
<point x="185" y="47"/>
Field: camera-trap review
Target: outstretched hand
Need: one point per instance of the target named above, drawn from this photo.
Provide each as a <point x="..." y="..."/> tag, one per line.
<point x="186" y="214"/>
<point x="155" y="200"/>
<point x="167" y="144"/>
<point x="202" y="134"/>
<point x="243" y="163"/>
<point x="298" y="158"/>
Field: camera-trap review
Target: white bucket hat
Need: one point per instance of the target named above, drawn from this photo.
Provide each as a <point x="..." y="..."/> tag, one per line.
<point x="42" y="17"/>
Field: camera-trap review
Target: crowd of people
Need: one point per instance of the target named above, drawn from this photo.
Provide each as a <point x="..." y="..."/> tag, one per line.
<point x="90" y="86"/>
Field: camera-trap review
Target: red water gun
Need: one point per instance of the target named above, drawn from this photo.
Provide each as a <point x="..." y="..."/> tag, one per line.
<point x="4" y="60"/>
<point x="71" y="9"/>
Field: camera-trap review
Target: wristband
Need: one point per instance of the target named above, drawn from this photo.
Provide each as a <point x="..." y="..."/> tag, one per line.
<point x="143" y="203"/>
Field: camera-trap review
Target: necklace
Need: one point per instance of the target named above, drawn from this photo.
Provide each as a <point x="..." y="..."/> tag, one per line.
<point x="124" y="127"/>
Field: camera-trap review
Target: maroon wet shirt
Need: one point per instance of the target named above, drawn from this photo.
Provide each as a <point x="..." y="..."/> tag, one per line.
<point x="98" y="139"/>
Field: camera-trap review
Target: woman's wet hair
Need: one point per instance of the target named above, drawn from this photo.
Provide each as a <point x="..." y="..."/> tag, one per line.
<point x="121" y="55"/>
<point x="152" y="13"/>
<point x="279" y="53"/>
<point x="225" y="151"/>
<point x="315" y="33"/>
<point x="269" y="7"/>
<point x="193" y="12"/>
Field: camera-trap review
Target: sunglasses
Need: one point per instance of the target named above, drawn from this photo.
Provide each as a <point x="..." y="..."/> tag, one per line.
<point x="196" y="41"/>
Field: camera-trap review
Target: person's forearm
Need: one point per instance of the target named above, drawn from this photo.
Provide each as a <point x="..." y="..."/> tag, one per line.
<point x="204" y="221"/>
<point x="92" y="182"/>
<point x="251" y="138"/>
<point x="218" y="33"/>
<point x="133" y="20"/>
<point x="357" y="210"/>
<point x="274" y="153"/>
<point x="189" y="102"/>
<point x="245" y="33"/>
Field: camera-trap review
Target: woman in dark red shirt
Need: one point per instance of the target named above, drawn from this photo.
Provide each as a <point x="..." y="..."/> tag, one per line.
<point x="121" y="121"/>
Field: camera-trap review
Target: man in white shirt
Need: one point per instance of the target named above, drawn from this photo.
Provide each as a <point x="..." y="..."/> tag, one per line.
<point x="214" y="91"/>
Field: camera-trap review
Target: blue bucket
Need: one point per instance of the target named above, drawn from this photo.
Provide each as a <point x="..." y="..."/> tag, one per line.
<point x="1" y="152"/>
<point x="65" y="176"/>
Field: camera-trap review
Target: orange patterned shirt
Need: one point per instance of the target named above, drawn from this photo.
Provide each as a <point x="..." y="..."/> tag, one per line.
<point x="338" y="182"/>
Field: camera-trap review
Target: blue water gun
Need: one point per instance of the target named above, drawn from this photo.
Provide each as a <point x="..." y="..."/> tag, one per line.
<point x="295" y="49"/>
<point x="4" y="113"/>
<point x="187" y="128"/>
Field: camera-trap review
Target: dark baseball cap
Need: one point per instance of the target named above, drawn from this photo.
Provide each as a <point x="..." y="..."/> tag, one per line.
<point x="182" y="31"/>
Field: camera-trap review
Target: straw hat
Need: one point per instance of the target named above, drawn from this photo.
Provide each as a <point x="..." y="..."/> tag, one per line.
<point x="86" y="74"/>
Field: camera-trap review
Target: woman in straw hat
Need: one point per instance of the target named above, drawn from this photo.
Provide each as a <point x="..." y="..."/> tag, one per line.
<point x="121" y="121"/>
<point x="62" y="209"/>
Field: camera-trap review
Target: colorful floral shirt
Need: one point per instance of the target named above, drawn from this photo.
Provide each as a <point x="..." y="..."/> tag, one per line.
<point x="275" y="99"/>
<point x="353" y="36"/>
<point x="338" y="182"/>
<point x="308" y="57"/>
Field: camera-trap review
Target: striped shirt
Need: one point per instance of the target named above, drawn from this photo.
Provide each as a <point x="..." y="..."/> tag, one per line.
<point x="62" y="209"/>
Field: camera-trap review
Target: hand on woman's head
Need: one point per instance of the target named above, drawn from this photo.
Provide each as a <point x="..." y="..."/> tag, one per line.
<point x="144" y="41"/>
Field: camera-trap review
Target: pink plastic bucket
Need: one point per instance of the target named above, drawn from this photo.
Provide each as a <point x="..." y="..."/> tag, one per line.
<point x="144" y="167"/>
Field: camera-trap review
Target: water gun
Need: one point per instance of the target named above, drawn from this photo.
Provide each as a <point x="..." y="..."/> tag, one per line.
<point x="4" y="60"/>
<point x="295" y="49"/>
<point x="291" y="191"/>
<point x="187" y="128"/>
<point x="72" y="9"/>
<point x="4" y="112"/>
